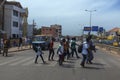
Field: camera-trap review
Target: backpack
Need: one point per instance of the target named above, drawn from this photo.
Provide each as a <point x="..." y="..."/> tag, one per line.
<point x="35" y="48"/>
<point x="80" y="47"/>
<point x="92" y="47"/>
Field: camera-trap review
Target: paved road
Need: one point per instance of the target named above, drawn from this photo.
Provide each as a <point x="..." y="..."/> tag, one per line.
<point x="20" y="66"/>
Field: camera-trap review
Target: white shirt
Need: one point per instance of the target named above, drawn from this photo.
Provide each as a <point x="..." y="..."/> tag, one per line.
<point x="39" y="52"/>
<point x="60" y="50"/>
<point x="85" y="47"/>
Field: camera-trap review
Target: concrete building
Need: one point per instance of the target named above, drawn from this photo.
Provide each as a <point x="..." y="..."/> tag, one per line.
<point x="58" y="29"/>
<point x="13" y="19"/>
<point x="54" y="31"/>
<point x="2" y="2"/>
<point x="48" y="31"/>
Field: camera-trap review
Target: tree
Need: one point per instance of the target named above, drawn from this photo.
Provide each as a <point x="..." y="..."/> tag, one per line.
<point x="37" y="31"/>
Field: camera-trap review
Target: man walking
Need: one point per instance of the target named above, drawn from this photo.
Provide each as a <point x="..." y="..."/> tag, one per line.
<point x="6" y="46"/>
<point x="84" y="52"/>
<point x="51" y="50"/>
<point x="20" y="43"/>
<point x="91" y="49"/>
<point x="73" y="48"/>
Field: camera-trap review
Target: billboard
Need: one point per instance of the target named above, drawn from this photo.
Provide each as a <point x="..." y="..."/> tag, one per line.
<point x="94" y="28"/>
<point x="101" y="29"/>
<point x="87" y="28"/>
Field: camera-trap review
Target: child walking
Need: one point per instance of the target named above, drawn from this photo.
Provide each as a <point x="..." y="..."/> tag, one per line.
<point x="39" y="53"/>
<point x="60" y="52"/>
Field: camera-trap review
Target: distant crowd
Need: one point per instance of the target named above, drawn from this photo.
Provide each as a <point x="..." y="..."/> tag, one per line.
<point x="5" y="44"/>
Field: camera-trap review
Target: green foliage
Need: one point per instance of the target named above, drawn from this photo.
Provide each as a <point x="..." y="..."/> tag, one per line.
<point x="37" y="31"/>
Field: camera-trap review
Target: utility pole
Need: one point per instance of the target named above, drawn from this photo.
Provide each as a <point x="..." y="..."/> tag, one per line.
<point x="2" y="3"/>
<point x="34" y="24"/>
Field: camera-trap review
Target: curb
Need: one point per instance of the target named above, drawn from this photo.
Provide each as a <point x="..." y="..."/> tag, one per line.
<point x="17" y="50"/>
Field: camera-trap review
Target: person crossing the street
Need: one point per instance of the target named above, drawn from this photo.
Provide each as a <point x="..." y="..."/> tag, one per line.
<point x="73" y="48"/>
<point x="6" y="46"/>
<point x="60" y="52"/>
<point x="38" y="53"/>
<point x="84" y="52"/>
<point x="51" y="50"/>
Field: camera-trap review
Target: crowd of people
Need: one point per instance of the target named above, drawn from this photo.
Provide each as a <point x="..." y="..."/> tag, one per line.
<point x="67" y="49"/>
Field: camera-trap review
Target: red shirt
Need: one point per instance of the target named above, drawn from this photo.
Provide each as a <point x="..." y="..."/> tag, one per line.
<point x="51" y="44"/>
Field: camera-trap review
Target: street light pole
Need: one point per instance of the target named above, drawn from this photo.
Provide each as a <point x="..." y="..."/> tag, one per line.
<point x="90" y="11"/>
<point x="82" y="32"/>
<point x="82" y="29"/>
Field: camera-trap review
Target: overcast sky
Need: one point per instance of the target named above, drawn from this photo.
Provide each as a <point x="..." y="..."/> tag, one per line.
<point x="71" y="14"/>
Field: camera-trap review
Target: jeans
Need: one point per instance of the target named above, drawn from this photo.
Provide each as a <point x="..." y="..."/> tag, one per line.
<point x="74" y="50"/>
<point x="90" y="57"/>
<point x="83" y="60"/>
<point x="51" y="52"/>
<point x="37" y="58"/>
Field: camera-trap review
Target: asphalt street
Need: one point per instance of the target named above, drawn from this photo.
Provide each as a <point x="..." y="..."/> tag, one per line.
<point x="20" y="66"/>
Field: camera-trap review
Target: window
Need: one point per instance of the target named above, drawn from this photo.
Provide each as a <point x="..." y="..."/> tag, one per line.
<point x="15" y="13"/>
<point x="13" y="36"/>
<point x="15" y="24"/>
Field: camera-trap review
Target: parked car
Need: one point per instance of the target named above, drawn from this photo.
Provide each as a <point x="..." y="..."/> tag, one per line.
<point x="43" y="41"/>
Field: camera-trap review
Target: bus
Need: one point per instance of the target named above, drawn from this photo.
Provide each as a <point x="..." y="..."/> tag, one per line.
<point x="41" y="40"/>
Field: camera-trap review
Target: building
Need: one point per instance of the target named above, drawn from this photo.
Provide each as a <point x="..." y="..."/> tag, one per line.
<point x="2" y="2"/>
<point x="53" y="30"/>
<point x="113" y="31"/>
<point x="48" y="31"/>
<point x="58" y="29"/>
<point x="13" y="19"/>
<point x="114" y="34"/>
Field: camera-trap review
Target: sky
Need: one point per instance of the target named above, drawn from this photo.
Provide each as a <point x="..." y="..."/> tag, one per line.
<point x="71" y="14"/>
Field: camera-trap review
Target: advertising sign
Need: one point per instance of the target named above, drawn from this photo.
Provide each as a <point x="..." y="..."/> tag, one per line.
<point x="100" y="29"/>
<point x="87" y="28"/>
<point x="94" y="28"/>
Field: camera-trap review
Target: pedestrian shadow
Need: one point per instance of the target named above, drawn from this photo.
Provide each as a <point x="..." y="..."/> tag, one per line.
<point x="99" y="64"/>
<point x="96" y="49"/>
<point x="73" y="59"/>
<point x="69" y="61"/>
<point x="91" y="67"/>
<point x="67" y="66"/>
<point x="10" y="55"/>
<point x="46" y="63"/>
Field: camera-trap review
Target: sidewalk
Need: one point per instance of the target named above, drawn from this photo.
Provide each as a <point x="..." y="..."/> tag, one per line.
<point x="15" y="49"/>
